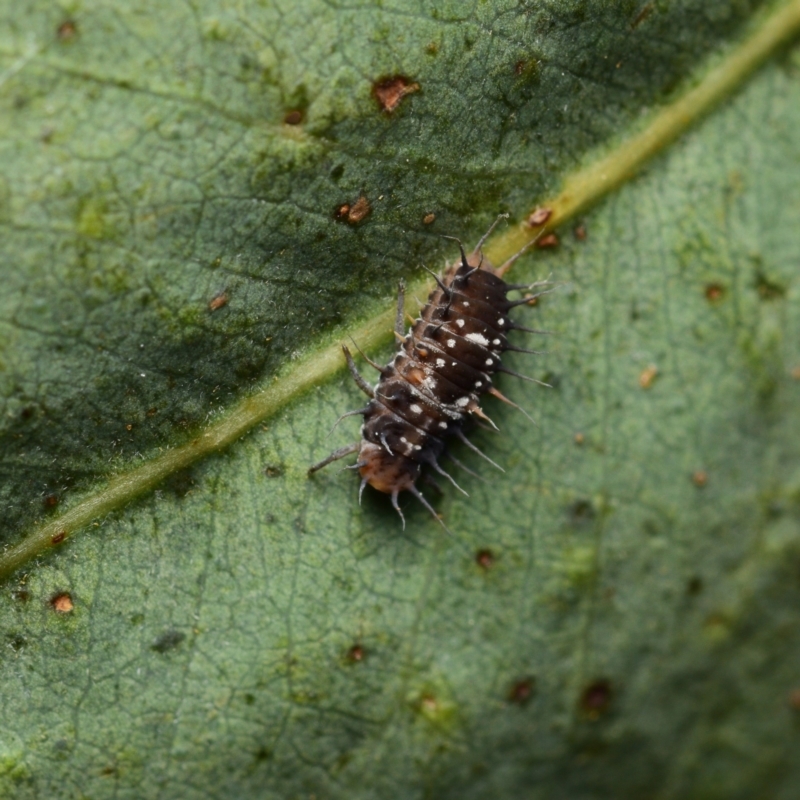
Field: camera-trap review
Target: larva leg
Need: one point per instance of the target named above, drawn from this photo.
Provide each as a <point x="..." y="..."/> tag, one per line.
<point x="488" y="233"/>
<point x="400" y="317"/>
<point x="357" y="377"/>
<point x="335" y="456"/>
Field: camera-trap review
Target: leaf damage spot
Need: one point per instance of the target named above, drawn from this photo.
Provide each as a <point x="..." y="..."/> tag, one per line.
<point x="67" y="30"/>
<point x="795" y="373"/>
<point x="794" y="700"/>
<point x="218" y="301"/>
<point x="539" y="217"/>
<point x="389" y="92"/>
<point x="700" y="478"/>
<point x="59" y="537"/>
<point x="429" y="219"/>
<point x="62" y="603"/>
<point x="647" y="376"/>
<point x="714" y="292"/>
<point x="167" y="641"/>
<point x="50" y="500"/>
<point x="580" y="232"/>
<point x="579" y="439"/>
<point x="551" y="240"/>
<point x="294" y="117"/>
<point x="355" y="213"/>
<point x="485" y="559"/>
<point x="356" y="654"/>
<point x="273" y="470"/>
<point x="522" y="691"/>
<point x="596" y="698"/>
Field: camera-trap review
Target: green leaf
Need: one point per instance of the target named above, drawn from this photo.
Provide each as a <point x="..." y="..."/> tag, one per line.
<point x="617" y="614"/>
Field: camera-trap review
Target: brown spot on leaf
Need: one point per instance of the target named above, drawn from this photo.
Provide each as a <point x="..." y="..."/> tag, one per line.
<point x="700" y="478"/>
<point x="218" y="301"/>
<point x="389" y="92"/>
<point x="539" y="217"/>
<point x="484" y="558"/>
<point x="355" y="213"/>
<point x="794" y="699"/>
<point x="356" y="654"/>
<point x="273" y="470"/>
<point x="293" y="117"/>
<point x="579" y="439"/>
<point x="648" y="376"/>
<point x="21" y="595"/>
<point x="596" y="698"/>
<point x="551" y="240"/>
<point x="714" y="292"/>
<point x="795" y="373"/>
<point x="580" y="232"/>
<point x="59" y="537"/>
<point x="62" y="603"/>
<point x="50" y="500"/>
<point x="428" y="218"/>
<point x="67" y="30"/>
<point x="522" y="691"/>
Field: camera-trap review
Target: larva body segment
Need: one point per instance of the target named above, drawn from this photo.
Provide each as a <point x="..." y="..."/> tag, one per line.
<point x="433" y="384"/>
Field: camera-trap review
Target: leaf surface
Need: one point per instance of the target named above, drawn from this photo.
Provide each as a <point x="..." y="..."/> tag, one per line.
<point x="617" y="613"/>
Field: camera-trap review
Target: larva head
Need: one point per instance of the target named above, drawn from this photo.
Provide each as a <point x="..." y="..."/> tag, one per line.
<point x="384" y="472"/>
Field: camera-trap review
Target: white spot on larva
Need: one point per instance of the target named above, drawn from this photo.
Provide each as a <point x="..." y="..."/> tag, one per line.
<point x="452" y="363"/>
<point x="501" y="322"/>
<point x="451" y="342"/>
<point x="495" y="341"/>
<point x="478" y="338"/>
<point x="489" y="362"/>
<point x="443" y="425"/>
<point x="460" y="323"/>
<point x="466" y="302"/>
<point x="404" y="440"/>
<point x="439" y="362"/>
<point x="462" y="401"/>
<point x="415" y="408"/>
<point x="418" y="447"/>
<point x="478" y="384"/>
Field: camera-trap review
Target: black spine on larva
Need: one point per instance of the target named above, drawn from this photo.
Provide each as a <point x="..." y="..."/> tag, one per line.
<point x="434" y="382"/>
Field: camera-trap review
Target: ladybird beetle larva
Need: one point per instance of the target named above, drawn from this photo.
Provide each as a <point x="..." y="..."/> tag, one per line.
<point x="442" y="366"/>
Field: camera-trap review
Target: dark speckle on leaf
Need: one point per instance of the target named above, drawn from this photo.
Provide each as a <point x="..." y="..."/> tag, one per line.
<point x="581" y="512"/>
<point x="596" y="698"/>
<point x="168" y="640"/>
<point x="522" y="691"/>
